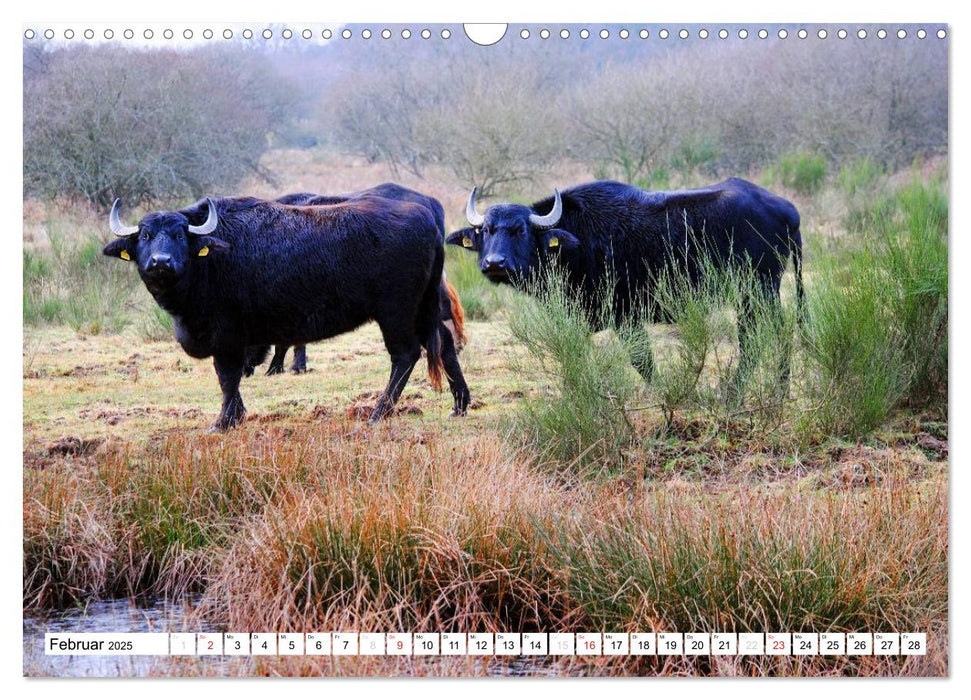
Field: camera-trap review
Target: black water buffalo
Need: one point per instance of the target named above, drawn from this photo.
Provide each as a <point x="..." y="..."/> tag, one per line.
<point x="452" y="315"/>
<point x="239" y="272"/>
<point x="611" y="232"/>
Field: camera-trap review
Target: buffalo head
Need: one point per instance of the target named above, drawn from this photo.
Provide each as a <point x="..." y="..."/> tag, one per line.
<point x="512" y="240"/>
<point x="163" y="244"/>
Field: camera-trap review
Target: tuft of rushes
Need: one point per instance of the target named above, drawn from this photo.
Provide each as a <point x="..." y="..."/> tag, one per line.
<point x="859" y="177"/>
<point x="580" y="421"/>
<point x="877" y="336"/>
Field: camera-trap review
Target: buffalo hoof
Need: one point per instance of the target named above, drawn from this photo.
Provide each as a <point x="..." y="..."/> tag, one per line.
<point x="249" y="371"/>
<point x="274" y="369"/>
<point x="456" y="413"/>
<point x="224" y="423"/>
<point x="298" y="370"/>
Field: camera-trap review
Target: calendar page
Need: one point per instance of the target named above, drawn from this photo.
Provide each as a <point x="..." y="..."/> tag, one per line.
<point x="467" y="350"/>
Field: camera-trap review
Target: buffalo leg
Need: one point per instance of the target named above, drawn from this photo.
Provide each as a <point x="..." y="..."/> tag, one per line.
<point x="229" y="370"/>
<point x="403" y="360"/>
<point x="782" y="333"/>
<point x="453" y="371"/>
<point x="299" y="365"/>
<point x="279" y="355"/>
<point x="759" y="307"/>
<point x="255" y="355"/>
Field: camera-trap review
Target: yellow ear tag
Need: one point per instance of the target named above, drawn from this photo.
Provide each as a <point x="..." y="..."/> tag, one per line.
<point x="124" y="255"/>
<point x="204" y="252"/>
<point x="554" y="242"/>
<point x="466" y="241"/>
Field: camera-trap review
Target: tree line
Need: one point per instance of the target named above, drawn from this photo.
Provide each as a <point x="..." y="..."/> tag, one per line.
<point x="101" y="122"/>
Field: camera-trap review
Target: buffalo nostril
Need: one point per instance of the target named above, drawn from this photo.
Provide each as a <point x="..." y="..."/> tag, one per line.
<point x="494" y="261"/>
<point x="163" y="261"/>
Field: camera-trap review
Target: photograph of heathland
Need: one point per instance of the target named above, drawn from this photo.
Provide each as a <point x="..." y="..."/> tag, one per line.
<point x="595" y="329"/>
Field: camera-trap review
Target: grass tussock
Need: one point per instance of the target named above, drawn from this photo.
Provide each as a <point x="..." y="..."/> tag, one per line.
<point x="877" y="336"/>
<point x="72" y="285"/>
<point x="479" y="298"/>
<point x="580" y="419"/>
<point x="782" y="563"/>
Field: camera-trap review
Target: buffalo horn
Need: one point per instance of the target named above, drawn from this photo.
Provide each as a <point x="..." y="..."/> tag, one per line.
<point x="118" y="228"/>
<point x="211" y="222"/>
<point x="551" y="219"/>
<point x="474" y="217"/>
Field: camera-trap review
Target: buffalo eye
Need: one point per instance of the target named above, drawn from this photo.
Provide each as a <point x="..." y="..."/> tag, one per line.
<point x="485" y="230"/>
<point x="144" y="236"/>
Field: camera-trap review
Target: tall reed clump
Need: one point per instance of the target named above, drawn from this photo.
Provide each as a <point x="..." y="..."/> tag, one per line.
<point x="396" y="536"/>
<point x="580" y="421"/>
<point x="754" y="562"/>
<point x="144" y="522"/>
<point x="701" y="367"/>
<point x="877" y="336"/>
<point x="912" y="228"/>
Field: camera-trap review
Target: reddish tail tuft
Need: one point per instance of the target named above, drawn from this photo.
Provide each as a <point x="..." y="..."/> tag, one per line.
<point x="458" y="313"/>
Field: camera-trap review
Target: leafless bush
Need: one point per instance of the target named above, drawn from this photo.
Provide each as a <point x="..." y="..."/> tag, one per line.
<point x="492" y="123"/>
<point x="102" y="123"/>
<point x="501" y="130"/>
<point x="632" y="118"/>
<point x="374" y="113"/>
<point x="755" y="103"/>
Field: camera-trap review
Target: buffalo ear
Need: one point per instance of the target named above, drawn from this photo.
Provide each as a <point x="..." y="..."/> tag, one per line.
<point x="464" y="237"/>
<point x="557" y="239"/>
<point x="118" y="248"/>
<point x="201" y="246"/>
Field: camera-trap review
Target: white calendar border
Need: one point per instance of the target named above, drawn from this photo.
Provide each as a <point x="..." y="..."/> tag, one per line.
<point x="503" y="10"/>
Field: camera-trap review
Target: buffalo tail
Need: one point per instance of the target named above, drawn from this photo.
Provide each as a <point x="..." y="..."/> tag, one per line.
<point x="796" y="238"/>
<point x="429" y="319"/>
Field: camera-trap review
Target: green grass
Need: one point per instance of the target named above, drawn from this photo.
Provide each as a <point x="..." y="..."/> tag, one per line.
<point x="801" y="171"/>
<point x="74" y="285"/>
<point x="695" y="154"/>
<point x="859" y="177"/>
<point x="479" y="297"/>
<point x="657" y="179"/>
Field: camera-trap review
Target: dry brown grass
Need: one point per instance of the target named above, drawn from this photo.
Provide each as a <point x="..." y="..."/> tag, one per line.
<point x="318" y="525"/>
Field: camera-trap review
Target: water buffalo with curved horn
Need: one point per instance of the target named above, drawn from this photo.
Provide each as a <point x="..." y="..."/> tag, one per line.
<point x="239" y="272"/>
<point x="607" y="231"/>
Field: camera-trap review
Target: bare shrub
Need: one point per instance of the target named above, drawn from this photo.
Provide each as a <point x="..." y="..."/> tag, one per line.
<point x="101" y="122"/>
<point x="502" y="132"/>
